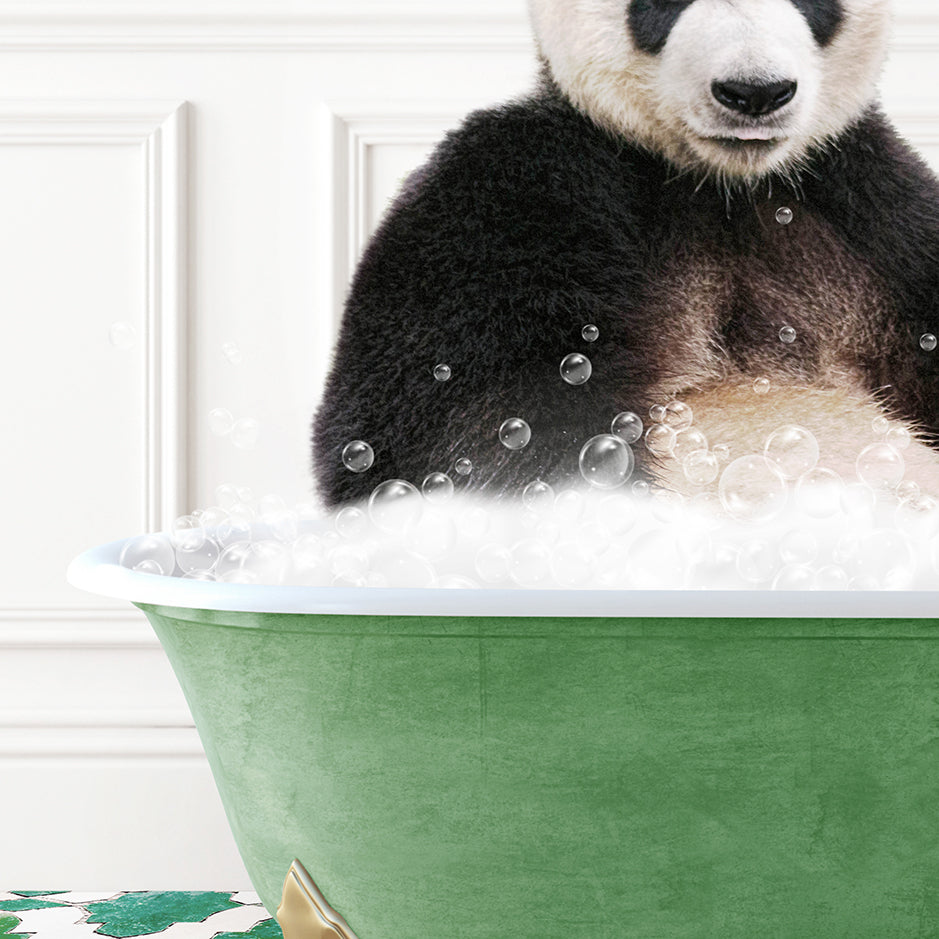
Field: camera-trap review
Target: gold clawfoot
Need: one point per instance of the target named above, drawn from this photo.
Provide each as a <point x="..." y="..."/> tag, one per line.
<point x="304" y="913"/>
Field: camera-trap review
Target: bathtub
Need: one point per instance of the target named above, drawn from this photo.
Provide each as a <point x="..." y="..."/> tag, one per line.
<point x="541" y="764"/>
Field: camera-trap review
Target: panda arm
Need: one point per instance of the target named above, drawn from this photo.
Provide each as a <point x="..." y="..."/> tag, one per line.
<point x="885" y="201"/>
<point x="508" y="243"/>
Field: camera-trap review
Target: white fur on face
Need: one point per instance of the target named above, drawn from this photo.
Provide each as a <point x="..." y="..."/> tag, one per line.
<point x="665" y="101"/>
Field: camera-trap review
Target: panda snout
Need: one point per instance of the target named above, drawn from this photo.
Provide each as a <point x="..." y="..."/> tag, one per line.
<point x="752" y="98"/>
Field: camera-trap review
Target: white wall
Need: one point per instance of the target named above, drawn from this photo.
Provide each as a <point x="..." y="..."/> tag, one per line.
<point x="203" y="172"/>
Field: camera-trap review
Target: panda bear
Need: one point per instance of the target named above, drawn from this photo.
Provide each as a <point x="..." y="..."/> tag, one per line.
<point x="711" y="186"/>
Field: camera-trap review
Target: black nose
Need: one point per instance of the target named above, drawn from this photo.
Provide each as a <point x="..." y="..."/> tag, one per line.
<point x="752" y="99"/>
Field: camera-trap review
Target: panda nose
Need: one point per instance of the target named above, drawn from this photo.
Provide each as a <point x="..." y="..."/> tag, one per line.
<point x="753" y="99"/>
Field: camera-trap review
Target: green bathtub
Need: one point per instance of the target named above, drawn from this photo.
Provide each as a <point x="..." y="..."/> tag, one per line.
<point x="714" y="764"/>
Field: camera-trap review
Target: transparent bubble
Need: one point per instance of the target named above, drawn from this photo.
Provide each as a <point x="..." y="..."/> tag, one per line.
<point x="640" y="488"/>
<point x="590" y="333"/>
<point x="245" y="495"/>
<point x="657" y="413"/>
<point x="898" y="437"/>
<point x="756" y="562"/>
<point x="907" y="490"/>
<point x="884" y="557"/>
<point x="493" y="562"/>
<point x="787" y="335"/>
<point x="928" y="342"/>
<point x="700" y="467"/>
<point x="187" y="533"/>
<point x="538" y="495"/>
<point x="201" y="558"/>
<point x="606" y="461"/>
<point x="156" y="550"/>
<point x="394" y="505"/>
<point x="678" y="415"/>
<point x="880" y="426"/>
<point x="751" y="490"/>
<point x="722" y="451"/>
<point x="569" y="506"/>
<point x="351" y="522"/>
<point x="576" y="368"/>
<point x="628" y="426"/>
<point x="437" y="487"/>
<point x="791" y="451"/>
<point x="918" y="517"/>
<point x="443" y="372"/>
<point x="148" y="566"/>
<point x="530" y="565"/>
<point x="858" y="501"/>
<point x="795" y="577"/>
<point x="232" y="353"/>
<point x="571" y="565"/>
<point x="357" y="456"/>
<point x="784" y="215"/>
<point x="798" y="546"/>
<point x="221" y="422"/>
<point x="761" y="386"/>
<point x="818" y="492"/>
<point x="464" y="466"/>
<point x="831" y="577"/>
<point x="349" y="561"/>
<point x="210" y="517"/>
<point x="206" y="576"/>
<point x="226" y="495"/>
<point x="122" y="336"/>
<point x="307" y="553"/>
<point x="660" y="440"/>
<point x="244" y="433"/>
<point x="514" y="433"/>
<point x="404" y="569"/>
<point x="880" y="466"/>
<point x="688" y="441"/>
<point x="261" y="562"/>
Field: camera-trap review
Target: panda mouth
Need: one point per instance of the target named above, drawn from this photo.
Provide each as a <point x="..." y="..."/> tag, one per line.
<point x="746" y="144"/>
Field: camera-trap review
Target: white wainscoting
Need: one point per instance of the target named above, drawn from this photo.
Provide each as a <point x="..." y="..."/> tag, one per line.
<point x="204" y="172"/>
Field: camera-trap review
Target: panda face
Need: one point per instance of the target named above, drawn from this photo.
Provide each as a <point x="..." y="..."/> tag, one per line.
<point x="739" y="88"/>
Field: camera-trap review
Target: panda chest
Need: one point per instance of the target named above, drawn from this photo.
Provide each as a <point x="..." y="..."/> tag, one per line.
<point x="787" y="301"/>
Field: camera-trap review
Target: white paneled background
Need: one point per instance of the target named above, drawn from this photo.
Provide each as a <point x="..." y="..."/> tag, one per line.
<point x="202" y="173"/>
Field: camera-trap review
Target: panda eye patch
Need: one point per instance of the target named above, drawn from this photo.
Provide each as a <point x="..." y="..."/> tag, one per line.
<point x="651" y="21"/>
<point x="823" y="16"/>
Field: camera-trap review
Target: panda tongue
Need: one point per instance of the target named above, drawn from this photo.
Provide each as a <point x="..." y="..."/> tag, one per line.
<point x="753" y="133"/>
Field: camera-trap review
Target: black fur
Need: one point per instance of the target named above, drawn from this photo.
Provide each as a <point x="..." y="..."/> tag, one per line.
<point x="530" y="222"/>
<point x="651" y="21"/>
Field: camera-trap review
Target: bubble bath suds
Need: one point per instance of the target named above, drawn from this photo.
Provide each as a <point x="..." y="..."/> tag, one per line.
<point x="778" y="520"/>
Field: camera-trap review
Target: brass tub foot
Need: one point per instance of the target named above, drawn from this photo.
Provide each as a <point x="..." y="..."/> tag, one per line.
<point x="304" y="913"/>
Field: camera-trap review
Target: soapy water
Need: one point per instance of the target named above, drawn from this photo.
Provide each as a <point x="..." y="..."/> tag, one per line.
<point x="778" y="520"/>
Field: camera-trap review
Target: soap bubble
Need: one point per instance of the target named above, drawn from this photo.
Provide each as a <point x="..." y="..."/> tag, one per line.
<point x="883" y="557"/>
<point x="898" y="437"/>
<point x="657" y="413"/>
<point x="756" y="562"/>
<point x="357" y="456"/>
<point x="154" y="551"/>
<point x="569" y="506"/>
<point x="442" y="372"/>
<point x="700" y="467"/>
<point x="818" y="492"/>
<point x="761" y="386"/>
<point x="464" y="466"/>
<point x="226" y="495"/>
<point x="880" y="426"/>
<point x="798" y="546"/>
<point x="187" y="533"/>
<point x="628" y="426"/>
<point x="394" y="505"/>
<point x="590" y="333"/>
<point x="722" y="452"/>
<point x="784" y="215"/>
<point x="678" y="415"/>
<point x="349" y="561"/>
<point x="437" y="487"/>
<point x="122" y="336"/>
<point x="258" y="562"/>
<point x="231" y="352"/>
<point x="858" y="501"/>
<point x="538" y="495"/>
<point x="606" y="461"/>
<point x="351" y="522"/>
<point x="640" y="488"/>
<point x="795" y="577"/>
<point x="530" y="565"/>
<point x="493" y="562"/>
<point x="244" y="433"/>
<point x="907" y="489"/>
<point x="751" y="491"/>
<point x="199" y="559"/>
<point x="221" y="422"/>
<point x="880" y="466"/>
<point x="918" y="517"/>
<point x="791" y="451"/>
<point x="514" y="433"/>
<point x="787" y="335"/>
<point x="576" y="368"/>
<point x="660" y="440"/>
<point x="404" y="569"/>
<point x="830" y="577"/>
<point x="688" y="441"/>
<point x="928" y="342"/>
